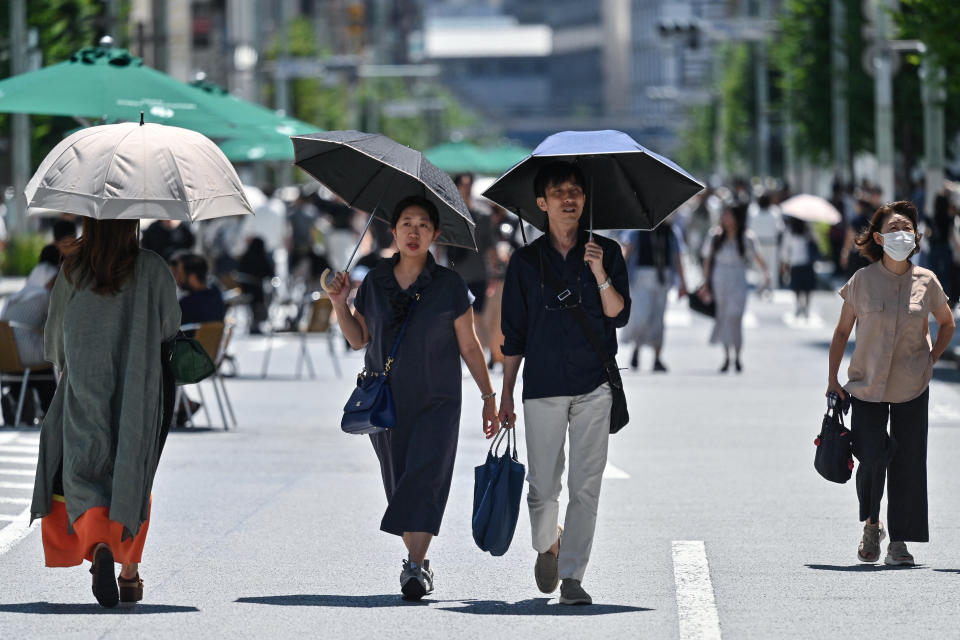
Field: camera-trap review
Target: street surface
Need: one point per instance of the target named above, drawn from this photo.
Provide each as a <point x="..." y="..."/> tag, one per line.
<point x="712" y="521"/>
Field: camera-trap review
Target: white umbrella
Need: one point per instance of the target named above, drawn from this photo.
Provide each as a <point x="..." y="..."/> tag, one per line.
<point x="132" y="171"/>
<point x="810" y="209"/>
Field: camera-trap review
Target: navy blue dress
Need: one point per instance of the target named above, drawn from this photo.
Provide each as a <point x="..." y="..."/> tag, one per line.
<point x="416" y="457"/>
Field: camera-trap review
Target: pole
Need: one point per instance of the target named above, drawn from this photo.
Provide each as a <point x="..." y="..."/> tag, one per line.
<point x="762" y="166"/>
<point x="281" y="85"/>
<point x="17" y="205"/>
<point x="839" y="68"/>
<point x="883" y="98"/>
<point x="934" y="96"/>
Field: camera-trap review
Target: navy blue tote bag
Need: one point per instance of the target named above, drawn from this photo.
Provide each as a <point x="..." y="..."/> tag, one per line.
<point x="498" y="484"/>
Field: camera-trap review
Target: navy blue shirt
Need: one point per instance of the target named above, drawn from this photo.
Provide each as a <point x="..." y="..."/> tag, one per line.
<point x="560" y="361"/>
<point x="202" y="306"/>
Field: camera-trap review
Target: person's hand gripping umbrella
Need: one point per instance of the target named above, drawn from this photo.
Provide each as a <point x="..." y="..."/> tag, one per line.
<point x="373" y="173"/>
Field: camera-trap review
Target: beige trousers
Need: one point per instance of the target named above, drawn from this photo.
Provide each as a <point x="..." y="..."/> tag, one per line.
<point x="548" y="422"/>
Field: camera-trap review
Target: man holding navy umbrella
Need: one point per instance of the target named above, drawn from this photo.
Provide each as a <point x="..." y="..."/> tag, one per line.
<point x="565" y="386"/>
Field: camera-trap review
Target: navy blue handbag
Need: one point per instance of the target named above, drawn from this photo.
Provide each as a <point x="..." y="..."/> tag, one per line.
<point x="370" y="408"/>
<point x="498" y="484"/>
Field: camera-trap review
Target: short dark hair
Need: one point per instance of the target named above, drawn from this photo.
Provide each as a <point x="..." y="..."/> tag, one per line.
<point x="869" y="249"/>
<point x="64" y="229"/>
<point x="554" y="173"/>
<point x="194" y="264"/>
<point x="460" y="177"/>
<point x="415" y="201"/>
<point x="51" y="255"/>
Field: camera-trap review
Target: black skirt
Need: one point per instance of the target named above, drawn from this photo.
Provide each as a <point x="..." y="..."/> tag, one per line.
<point x="803" y="278"/>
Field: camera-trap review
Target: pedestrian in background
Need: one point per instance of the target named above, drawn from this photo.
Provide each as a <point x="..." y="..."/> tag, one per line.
<point x="888" y="378"/>
<point x="112" y="306"/>
<point x="654" y="264"/>
<point x="798" y="253"/>
<point x="417" y="455"/>
<point x="566" y="391"/>
<point x="765" y="220"/>
<point x="729" y="250"/>
<point x="474" y="266"/>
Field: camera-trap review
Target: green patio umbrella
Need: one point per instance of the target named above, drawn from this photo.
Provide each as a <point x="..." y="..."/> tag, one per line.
<point x="112" y="85"/>
<point x="456" y="157"/>
<point x="466" y="157"/>
<point x="260" y="134"/>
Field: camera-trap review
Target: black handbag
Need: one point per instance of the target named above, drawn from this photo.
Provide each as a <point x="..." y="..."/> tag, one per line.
<point x="697" y="305"/>
<point x="187" y="360"/>
<point x="834" y="457"/>
<point x="619" y="416"/>
<point x="370" y="408"/>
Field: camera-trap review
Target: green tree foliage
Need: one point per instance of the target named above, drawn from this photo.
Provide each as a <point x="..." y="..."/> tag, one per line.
<point x="801" y="55"/>
<point x="935" y="23"/>
<point x="63" y="27"/>
<point x="738" y="106"/>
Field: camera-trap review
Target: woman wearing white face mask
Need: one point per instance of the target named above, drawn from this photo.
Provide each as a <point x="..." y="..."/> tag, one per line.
<point x="888" y="378"/>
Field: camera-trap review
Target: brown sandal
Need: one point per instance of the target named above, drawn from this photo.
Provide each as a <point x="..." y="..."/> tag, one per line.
<point x="131" y="590"/>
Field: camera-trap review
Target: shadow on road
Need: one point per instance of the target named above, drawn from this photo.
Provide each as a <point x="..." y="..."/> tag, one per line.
<point x="859" y="567"/>
<point x="309" y="600"/>
<point x="957" y="571"/>
<point x="52" y="608"/>
<point x="532" y="607"/>
<point x="538" y="607"/>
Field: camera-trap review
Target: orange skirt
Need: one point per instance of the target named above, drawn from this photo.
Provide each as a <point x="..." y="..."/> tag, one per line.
<point x="64" y="549"/>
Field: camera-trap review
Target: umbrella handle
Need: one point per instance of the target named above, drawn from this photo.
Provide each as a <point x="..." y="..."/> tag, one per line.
<point x="323" y="280"/>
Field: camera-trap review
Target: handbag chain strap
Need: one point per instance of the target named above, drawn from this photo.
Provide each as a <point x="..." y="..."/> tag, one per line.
<point x="396" y="345"/>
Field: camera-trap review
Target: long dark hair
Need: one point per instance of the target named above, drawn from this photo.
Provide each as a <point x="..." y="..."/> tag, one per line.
<point x="872" y="251"/>
<point x="739" y="212"/>
<point x="104" y="256"/>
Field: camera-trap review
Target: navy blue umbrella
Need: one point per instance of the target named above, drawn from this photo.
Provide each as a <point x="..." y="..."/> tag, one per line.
<point x="628" y="186"/>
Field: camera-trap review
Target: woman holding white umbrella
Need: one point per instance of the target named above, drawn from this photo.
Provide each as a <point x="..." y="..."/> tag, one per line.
<point x="111" y="307"/>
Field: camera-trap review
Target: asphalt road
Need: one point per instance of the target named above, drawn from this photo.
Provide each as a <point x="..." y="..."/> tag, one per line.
<point x="712" y="520"/>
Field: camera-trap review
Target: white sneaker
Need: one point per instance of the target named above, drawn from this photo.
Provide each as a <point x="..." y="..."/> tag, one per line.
<point x="416" y="581"/>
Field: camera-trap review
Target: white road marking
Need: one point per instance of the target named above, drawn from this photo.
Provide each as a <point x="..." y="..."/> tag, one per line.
<point x="9" y="517"/>
<point x="18" y="448"/>
<point x="5" y="500"/>
<point x="16" y="531"/>
<point x="18" y="472"/>
<point x="8" y="437"/>
<point x="696" y="608"/>
<point x="614" y="473"/>
<point x="16" y="485"/>
<point x="677" y="318"/>
<point x="18" y="460"/>
<point x="813" y="322"/>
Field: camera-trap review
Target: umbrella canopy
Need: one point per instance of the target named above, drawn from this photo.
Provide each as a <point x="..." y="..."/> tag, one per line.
<point x="109" y="83"/>
<point x="628" y="186"/>
<point x="132" y="171"/>
<point x="466" y="157"/>
<point x="373" y="173"/>
<point x="810" y="209"/>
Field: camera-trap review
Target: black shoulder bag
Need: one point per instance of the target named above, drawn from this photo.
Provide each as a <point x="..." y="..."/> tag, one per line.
<point x="618" y="412"/>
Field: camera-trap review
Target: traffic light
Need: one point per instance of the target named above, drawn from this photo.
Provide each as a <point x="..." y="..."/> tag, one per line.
<point x="690" y="28"/>
<point x="356" y="20"/>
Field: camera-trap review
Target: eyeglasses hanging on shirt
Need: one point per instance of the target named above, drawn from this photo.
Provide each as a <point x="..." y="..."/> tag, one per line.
<point x="565" y="299"/>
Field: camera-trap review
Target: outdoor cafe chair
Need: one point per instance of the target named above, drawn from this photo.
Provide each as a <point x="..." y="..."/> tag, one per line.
<point x="11" y="370"/>
<point x="214" y="337"/>
<point x="318" y="321"/>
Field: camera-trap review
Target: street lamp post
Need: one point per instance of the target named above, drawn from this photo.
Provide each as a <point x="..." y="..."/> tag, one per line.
<point x="840" y="114"/>
<point x="20" y="153"/>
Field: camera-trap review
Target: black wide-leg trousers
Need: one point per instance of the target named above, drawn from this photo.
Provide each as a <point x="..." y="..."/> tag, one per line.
<point x="899" y="458"/>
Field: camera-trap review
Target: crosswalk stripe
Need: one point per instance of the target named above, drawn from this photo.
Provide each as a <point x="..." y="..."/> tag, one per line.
<point x="18" y="448"/>
<point x="18" y="459"/>
<point x="16" y="485"/>
<point x="5" y="500"/>
<point x="18" y="472"/>
<point x="696" y="608"/>
<point x="8" y="517"/>
<point x="16" y="531"/>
